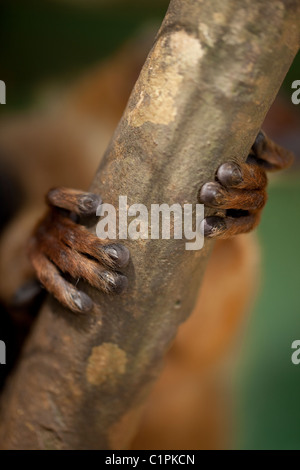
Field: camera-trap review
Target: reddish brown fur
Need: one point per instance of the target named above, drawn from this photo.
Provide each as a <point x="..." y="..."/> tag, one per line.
<point x="276" y="157"/>
<point x="242" y="187"/>
<point x="253" y="177"/>
<point x="239" y="226"/>
<point x="74" y="201"/>
<point x="49" y="276"/>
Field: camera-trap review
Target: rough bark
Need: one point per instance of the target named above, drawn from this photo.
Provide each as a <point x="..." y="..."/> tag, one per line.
<point x="200" y="100"/>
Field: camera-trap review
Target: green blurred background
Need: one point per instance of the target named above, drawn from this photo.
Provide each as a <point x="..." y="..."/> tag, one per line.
<point x="268" y="384"/>
<point x="50" y="41"/>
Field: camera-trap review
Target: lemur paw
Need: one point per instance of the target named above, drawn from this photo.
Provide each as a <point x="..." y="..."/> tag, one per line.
<point x="60" y="246"/>
<point x="238" y="193"/>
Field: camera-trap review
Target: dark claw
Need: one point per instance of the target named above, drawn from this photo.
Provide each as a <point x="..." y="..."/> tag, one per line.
<point x="258" y="145"/>
<point x="82" y="301"/>
<point x="117" y="282"/>
<point x="121" y="284"/>
<point x="211" y="194"/>
<point x="119" y="254"/>
<point x="89" y="203"/>
<point x="74" y="217"/>
<point x="27" y="293"/>
<point x="229" y="174"/>
<point x="212" y="226"/>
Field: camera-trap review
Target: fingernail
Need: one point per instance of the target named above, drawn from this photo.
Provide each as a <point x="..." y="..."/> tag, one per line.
<point x="89" y="203"/>
<point x="121" y="284"/>
<point x="26" y="293"/>
<point x="210" y="193"/>
<point x="258" y="145"/>
<point x="229" y="174"/>
<point x="119" y="253"/>
<point x="112" y="252"/>
<point x="117" y="282"/>
<point x="212" y="226"/>
<point x="82" y="301"/>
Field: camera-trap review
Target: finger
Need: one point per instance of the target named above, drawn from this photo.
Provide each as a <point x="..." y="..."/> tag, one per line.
<point x="270" y="155"/>
<point x="62" y="290"/>
<point x="80" y="266"/>
<point x="226" y="227"/>
<point x="27" y="293"/>
<point x="83" y="204"/>
<point x="242" y="176"/>
<point x="215" y="195"/>
<point x="110" y="254"/>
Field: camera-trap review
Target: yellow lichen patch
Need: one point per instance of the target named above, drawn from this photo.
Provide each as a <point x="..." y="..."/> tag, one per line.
<point x="173" y="59"/>
<point x="106" y="363"/>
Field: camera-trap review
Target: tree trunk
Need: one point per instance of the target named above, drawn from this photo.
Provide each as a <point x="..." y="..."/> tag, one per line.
<point x="215" y="68"/>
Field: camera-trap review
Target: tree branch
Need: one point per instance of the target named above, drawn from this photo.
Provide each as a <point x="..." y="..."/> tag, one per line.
<point x="200" y="100"/>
